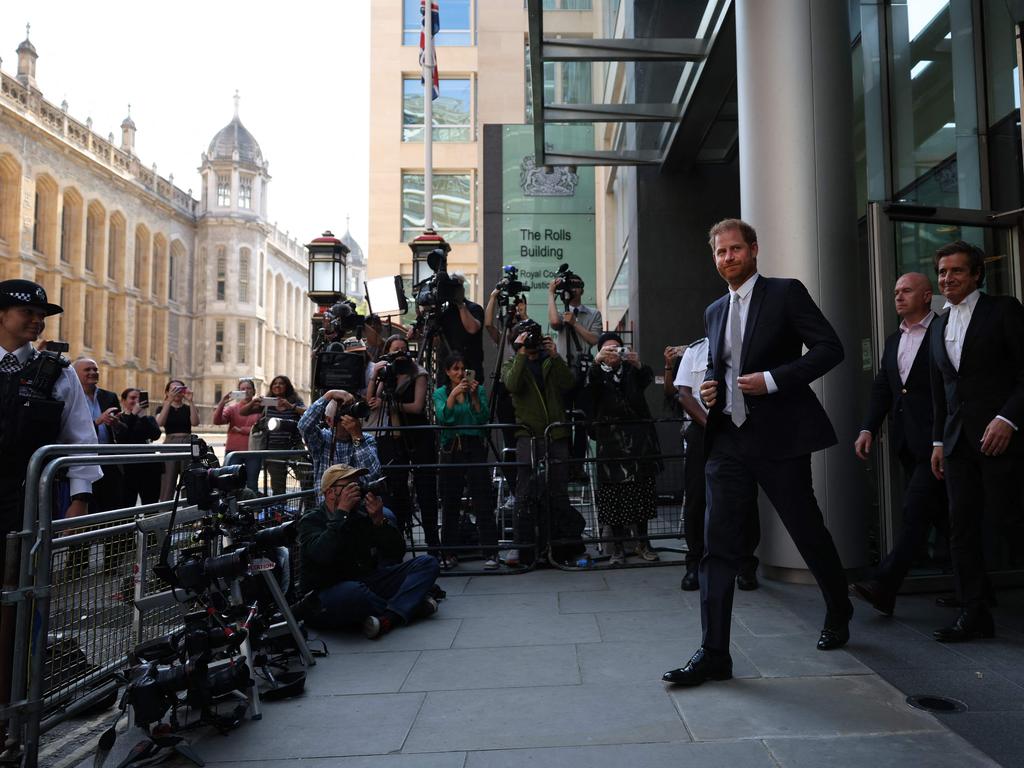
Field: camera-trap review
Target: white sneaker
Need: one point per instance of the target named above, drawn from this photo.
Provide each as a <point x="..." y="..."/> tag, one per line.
<point x="617" y="558"/>
<point x="491" y="565"/>
<point x="510" y="503"/>
<point x="512" y="558"/>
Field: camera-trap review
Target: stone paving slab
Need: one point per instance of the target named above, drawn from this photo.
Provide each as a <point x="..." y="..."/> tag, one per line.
<point x="934" y="750"/>
<point x="748" y="754"/>
<point x="494" y="668"/>
<point x="545" y="717"/>
<point x="509" y="607"/>
<point x="527" y="630"/>
<point x="427" y="760"/>
<point x="351" y="673"/>
<point x="796" y="656"/>
<point x="982" y="690"/>
<point x="541" y="581"/>
<point x="637" y="599"/>
<point x="680" y="625"/>
<point x="803" y="706"/>
<point x="436" y="632"/>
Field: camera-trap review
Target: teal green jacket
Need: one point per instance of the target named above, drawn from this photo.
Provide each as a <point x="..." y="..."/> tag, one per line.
<point x="460" y="414"/>
<point x="534" y="408"/>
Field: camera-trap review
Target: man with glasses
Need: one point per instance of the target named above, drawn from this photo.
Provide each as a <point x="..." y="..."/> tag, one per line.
<point x="352" y="555"/>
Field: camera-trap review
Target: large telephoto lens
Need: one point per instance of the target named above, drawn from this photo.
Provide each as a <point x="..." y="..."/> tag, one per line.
<point x="233" y="677"/>
<point x="229" y="566"/>
<point x="278" y="536"/>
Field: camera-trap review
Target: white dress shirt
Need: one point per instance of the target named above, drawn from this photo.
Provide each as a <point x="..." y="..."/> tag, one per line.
<point x="741" y="294"/>
<point x="911" y="337"/>
<point x="76" y="426"/>
<point x="692" y="369"/>
<point x="957" y="323"/>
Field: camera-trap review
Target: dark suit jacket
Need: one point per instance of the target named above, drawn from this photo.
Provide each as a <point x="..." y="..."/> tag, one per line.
<point x="990" y="381"/>
<point x="106" y="399"/>
<point x="782" y="319"/>
<point x="908" y="404"/>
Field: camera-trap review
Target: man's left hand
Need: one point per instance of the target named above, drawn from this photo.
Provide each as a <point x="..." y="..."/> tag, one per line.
<point x="374" y="508"/>
<point x="997" y="437"/>
<point x="633" y="359"/>
<point x="752" y="384"/>
<point x="351" y="425"/>
<point x="569" y="318"/>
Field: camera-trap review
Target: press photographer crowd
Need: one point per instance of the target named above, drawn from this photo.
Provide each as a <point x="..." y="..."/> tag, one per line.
<point x="414" y="460"/>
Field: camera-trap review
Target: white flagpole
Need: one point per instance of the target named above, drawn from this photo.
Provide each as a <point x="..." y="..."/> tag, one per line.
<point x="428" y="115"/>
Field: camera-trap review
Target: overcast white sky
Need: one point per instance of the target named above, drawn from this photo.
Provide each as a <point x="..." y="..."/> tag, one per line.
<point x="301" y="68"/>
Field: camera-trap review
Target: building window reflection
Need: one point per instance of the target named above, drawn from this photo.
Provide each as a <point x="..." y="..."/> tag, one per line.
<point x="452" y="110"/>
<point x="456" y="23"/>
<point x="453" y="208"/>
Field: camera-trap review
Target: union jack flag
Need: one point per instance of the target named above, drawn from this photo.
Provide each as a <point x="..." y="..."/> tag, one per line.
<point x="435" y="27"/>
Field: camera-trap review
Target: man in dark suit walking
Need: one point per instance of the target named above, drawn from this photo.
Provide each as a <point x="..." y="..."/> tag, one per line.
<point x="104" y="407"/>
<point x="902" y="390"/>
<point x="978" y="390"/>
<point x="764" y="422"/>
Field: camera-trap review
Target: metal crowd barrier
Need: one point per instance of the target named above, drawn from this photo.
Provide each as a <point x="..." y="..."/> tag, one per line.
<point x="625" y="461"/>
<point x="77" y="597"/>
<point x="501" y="464"/>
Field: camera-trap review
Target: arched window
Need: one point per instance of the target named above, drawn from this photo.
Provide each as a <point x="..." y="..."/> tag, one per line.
<point x="159" y="266"/>
<point x="44" y="221"/>
<point x="94" y="235"/>
<point x="222" y="273"/>
<point x="10" y="200"/>
<point x="116" y="246"/>
<point x="141" y="254"/>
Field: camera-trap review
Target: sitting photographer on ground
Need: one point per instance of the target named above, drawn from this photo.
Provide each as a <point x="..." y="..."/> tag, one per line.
<point x="345" y="543"/>
<point x="538" y="379"/>
<point x="342" y="440"/>
<point x="626" y="493"/>
<point x="397" y="396"/>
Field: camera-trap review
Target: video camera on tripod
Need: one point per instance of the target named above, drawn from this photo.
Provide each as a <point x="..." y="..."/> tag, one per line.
<point x="435" y="293"/>
<point x="510" y="289"/>
<point x="566" y="282"/>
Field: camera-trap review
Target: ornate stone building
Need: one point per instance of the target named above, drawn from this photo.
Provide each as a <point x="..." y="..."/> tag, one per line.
<point x="154" y="282"/>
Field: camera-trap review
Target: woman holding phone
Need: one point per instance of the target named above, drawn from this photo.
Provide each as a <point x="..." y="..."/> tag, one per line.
<point x="176" y="417"/>
<point x="229" y="412"/>
<point x="135" y="427"/>
<point x="283" y="403"/>
<point x="462" y="402"/>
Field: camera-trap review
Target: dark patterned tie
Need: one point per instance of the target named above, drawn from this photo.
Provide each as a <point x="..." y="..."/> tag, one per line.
<point x="10" y="363"/>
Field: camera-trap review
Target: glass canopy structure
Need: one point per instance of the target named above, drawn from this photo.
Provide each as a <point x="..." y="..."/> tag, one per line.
<point x="644" y="80"/>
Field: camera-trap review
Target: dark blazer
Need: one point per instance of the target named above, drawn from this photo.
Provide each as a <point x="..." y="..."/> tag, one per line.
<point x="908" y="404"/>
<point x="990" y="381"/>
<point x="106" y="399"/>
<point x="782" y="319"/>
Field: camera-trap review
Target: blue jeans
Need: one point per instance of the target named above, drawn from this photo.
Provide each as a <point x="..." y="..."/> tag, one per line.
<point x="396" y="588"/>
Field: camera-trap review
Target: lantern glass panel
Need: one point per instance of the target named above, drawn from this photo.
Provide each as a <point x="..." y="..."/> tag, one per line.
<point x="326" y="277"/>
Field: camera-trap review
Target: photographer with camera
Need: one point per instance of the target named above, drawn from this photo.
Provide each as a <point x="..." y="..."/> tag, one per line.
<point x="281" y="407"/>
<point x="342" y="439"/>
<point x="627" y="465"/>
<point x="397" y="396"/>
<point x="462" y="402"/>
<point x="577" y="327"/>
<point x="462" y="325"/>
<point x="136" y="427"/>
<point x="538" y="380"/>
<point x="229" y="412"/>
<point x="345" y="543"/>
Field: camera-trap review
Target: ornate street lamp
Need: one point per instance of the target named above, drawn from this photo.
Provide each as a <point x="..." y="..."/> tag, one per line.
<point x="328" y="265"/>
<point x="423" y="263"/>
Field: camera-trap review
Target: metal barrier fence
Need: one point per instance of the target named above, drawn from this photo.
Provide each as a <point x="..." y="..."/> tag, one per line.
<point x="452" y="493"/>
<point x="624" y="495"/>
<point x="76" y="595"/>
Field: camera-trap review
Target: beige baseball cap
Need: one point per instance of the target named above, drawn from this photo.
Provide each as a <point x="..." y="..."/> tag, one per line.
<point x="340" y="472"/>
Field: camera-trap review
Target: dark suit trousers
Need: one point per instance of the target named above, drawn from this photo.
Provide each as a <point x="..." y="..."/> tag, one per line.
<point x="732" y="480"/>
<point x="695" y="505"/>
<point x="981" y="490"/>
<point x="924" y="505"/>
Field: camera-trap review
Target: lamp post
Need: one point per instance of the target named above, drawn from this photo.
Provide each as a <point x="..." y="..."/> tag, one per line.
<point x="328" y="265"/>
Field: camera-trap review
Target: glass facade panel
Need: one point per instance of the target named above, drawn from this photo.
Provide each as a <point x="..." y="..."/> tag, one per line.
<point x="916" y="244"/>
<point x="452" y="110"/>
<point x="453" y="206"/>
<point x="456" y="23"/>
<point x="567" y="5"/>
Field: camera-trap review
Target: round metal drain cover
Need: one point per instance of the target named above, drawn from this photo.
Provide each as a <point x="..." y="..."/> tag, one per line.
<point x="941" y="705"/>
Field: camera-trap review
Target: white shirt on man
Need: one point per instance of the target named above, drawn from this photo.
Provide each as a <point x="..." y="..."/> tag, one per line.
<point x="742" y="295"/>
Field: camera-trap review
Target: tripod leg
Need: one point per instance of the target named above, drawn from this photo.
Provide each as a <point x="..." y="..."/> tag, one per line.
<point x="286" y="612"/>
<point x="253" y="694"/>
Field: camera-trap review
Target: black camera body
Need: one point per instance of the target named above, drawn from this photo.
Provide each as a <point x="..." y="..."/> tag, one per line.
<point x="534" y="334"/>
<point x="510" y="285"/>
<point x="395" y="364"/>
<point x="437" y="292"/>
<point x="566" y="281"/>
<point x="357" y="409"/>
<point x="202" y="483"/>
<point x="344" y="319"/>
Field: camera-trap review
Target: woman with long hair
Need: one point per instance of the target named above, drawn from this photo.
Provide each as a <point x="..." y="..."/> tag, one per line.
<point x="136" y="427"/>
<point x="397" y="396"/>
<point x="462" y="401"/>
<point x="229" y="412"/>
<point x="176" y="417"/>
<point x="283" y="403"/>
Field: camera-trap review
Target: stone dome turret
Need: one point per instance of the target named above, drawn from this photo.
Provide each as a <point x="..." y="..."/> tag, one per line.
<point x="355" y="251"/>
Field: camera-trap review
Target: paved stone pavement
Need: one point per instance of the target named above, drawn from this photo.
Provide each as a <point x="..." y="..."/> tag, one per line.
<point x="563" y="669"/>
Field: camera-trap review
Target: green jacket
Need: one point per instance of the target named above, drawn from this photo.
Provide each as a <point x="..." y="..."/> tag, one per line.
<point x="340" y="547"/>
<point x="462" y="414"/>
<point x="533" y="408"/>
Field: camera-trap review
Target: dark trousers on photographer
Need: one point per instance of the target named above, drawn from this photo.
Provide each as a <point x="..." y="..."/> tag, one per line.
<point x="463" y="450"/>
<point x="534" y="504"/>
<point x="411" y="448"/>
<point x="397" y="588"/>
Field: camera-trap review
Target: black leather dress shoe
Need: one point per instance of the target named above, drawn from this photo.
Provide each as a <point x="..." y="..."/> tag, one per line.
<point x="969" y="625"/>
<point x="833" y="637"/>
<point x="701" y="667"/>
<point x="880" y="598"/>
<point x="947" y="601"/>
<point x="746" y="581"/>
<point x="690" y="582"/>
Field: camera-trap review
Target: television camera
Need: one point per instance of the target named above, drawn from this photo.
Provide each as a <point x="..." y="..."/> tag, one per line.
<point x="567" y="281"/>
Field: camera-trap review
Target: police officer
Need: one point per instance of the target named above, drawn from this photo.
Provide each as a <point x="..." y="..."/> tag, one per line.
<point x="41" y="402"/>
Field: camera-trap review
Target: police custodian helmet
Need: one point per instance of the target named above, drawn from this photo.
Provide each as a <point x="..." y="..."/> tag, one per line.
<point x="25" y="293"/>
